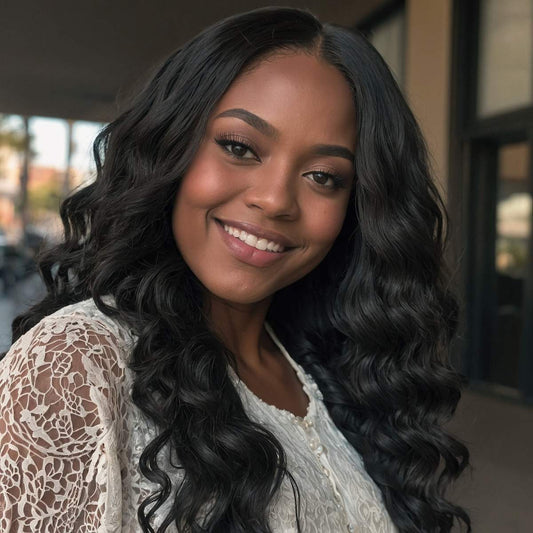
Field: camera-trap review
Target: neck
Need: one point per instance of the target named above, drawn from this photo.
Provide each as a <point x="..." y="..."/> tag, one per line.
<point x="241" y="329"/>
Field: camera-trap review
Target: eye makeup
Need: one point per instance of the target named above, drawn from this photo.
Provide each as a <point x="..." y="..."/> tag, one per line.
<point x="243" y="149"/>
<point x="237" y="146"/>
<point x="336" y="181"/>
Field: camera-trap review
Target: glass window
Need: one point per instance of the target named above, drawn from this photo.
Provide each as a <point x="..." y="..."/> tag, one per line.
<point x="513" y="230"/>
<point x="505" y="71"/>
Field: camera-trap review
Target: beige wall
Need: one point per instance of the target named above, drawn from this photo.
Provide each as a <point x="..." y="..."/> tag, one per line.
<point x="427" y="75"/>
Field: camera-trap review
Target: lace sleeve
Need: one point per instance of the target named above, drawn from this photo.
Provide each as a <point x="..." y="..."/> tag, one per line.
<point x="59" y="427"/>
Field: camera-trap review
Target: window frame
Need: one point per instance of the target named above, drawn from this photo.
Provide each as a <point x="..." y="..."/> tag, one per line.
<point x="472" y="162"/>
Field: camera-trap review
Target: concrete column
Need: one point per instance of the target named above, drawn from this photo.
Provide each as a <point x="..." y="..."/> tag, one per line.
<point x="427" y="76"/>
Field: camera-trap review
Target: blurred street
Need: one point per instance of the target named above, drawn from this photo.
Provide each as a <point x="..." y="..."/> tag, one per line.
<point x="25" y="293"/>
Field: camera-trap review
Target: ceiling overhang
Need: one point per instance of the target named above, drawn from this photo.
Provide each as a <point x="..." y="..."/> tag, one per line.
<point x="80" y="60"/>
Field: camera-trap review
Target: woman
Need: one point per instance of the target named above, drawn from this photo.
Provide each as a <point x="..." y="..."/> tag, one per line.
<point x="267" y="194"/>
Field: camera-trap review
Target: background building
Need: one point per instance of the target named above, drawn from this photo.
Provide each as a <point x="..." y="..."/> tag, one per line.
<point x="465" y="66"/>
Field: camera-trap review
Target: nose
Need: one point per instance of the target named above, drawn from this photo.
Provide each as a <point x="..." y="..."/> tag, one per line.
<point x="275" y="193"/>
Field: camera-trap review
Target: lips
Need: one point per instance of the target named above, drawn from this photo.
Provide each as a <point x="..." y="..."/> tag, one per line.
<point x="253" y="240"/>
<point x="253" y="245"/>
<point x="259" y="232"/>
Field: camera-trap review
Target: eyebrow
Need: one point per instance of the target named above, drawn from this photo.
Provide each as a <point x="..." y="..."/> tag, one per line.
<point x="256" y="122"/>
<point x="334" y="150"/>
<point x="270" y="131"/>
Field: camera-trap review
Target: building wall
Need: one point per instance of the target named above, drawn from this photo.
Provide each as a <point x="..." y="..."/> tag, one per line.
<point x="497" y="490"/>
<point x="427" y="75"/>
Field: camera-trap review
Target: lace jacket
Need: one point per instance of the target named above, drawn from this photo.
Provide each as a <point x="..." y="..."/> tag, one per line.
<point x="71" y="438"/>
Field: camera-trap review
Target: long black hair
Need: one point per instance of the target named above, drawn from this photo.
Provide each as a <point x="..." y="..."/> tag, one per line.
<point x="372" y="323"/>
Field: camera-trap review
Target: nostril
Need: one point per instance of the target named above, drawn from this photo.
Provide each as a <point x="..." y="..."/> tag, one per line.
<point x="274" y="205"/>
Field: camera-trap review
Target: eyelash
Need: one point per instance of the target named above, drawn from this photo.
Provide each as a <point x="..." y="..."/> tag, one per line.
<point x="338" y="182"/>
<point x="231" y="140"/>
<point x="226" y="140"/>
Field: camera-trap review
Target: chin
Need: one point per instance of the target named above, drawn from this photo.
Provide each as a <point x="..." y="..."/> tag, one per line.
<point x="242" y="298"/>
<point x="239" y="294"/>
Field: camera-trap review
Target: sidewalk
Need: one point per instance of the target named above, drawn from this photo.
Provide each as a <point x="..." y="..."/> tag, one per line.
<point x="498" y="489"/>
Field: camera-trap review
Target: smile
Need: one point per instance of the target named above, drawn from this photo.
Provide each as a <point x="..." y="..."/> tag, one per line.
<point x="254" y="245"/>
<point x="254" y="241"/>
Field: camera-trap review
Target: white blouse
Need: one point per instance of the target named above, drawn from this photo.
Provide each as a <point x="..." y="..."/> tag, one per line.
<point x="71" y="438"/>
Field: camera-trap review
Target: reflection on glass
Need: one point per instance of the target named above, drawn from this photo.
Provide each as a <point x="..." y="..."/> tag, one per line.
<point x="505" y="71"/>
<point x="514" y="210"/>
<point x="513" y="230"/>
<point x="388" y="38"/>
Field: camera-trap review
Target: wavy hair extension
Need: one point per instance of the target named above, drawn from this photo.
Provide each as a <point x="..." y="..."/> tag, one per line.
<point x="372" y="323"/>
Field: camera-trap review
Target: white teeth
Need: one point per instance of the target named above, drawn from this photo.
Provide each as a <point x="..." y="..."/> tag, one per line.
<point x="252" y="240"/>
<point x="261" y="244"/>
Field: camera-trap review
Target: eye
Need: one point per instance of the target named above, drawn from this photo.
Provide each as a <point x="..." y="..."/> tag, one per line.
<point x="237" y="148"/>
<point x="326" y="179"/>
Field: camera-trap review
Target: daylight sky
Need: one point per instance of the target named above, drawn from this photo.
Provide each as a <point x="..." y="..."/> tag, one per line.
<point x="50" y="142"/>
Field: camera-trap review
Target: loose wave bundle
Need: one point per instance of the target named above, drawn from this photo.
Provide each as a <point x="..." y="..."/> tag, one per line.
<point x="372" y="324"/>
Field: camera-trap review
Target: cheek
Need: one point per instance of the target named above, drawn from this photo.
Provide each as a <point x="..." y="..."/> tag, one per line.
<point x="206" y="185"/>
<point x="192" y="200"/>
<point x="326" y="223"/>
<point x="202" y="186"/>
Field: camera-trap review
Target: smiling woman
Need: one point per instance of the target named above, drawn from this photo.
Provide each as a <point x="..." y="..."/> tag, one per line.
<point x="247" y="324"/>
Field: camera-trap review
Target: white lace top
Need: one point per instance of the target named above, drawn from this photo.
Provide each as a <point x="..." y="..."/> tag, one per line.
<point x="70" y="440"/>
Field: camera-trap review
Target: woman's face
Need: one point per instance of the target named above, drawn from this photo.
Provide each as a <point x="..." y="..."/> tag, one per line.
<point x="266" y="194"/>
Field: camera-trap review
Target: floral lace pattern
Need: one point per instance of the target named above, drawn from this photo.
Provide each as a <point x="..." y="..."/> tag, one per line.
<point x="70" y="440"/>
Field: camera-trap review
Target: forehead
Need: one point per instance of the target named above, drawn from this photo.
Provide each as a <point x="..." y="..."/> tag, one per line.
<point x="295" y="91"/>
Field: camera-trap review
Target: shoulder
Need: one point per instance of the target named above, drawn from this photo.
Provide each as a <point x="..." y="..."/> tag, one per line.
<point x="62" y="387"/>
<point x="87" y="313"/>
<point x="80" y="328"/>
<point x="77" y="353"/>
<point x="64" y="376"/>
